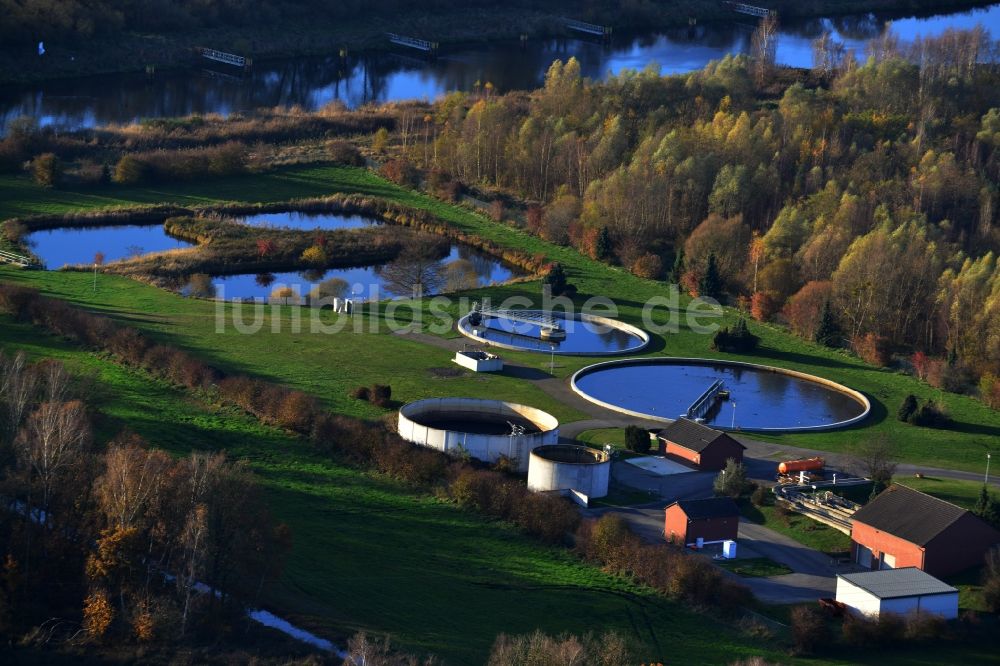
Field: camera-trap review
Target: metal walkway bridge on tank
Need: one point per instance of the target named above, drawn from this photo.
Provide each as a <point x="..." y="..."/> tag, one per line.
<point x="705" y="401"/>
<point x="536" y="317"/>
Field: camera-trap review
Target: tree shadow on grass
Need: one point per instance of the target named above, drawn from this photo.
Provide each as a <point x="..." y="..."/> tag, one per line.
<point x="973" y="429"/>
<point x="524" y="372"/>
<point x="804" y="359"/>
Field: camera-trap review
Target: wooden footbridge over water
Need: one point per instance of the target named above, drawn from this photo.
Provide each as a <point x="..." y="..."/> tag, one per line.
<point x="225" y="58"/>
<point x="749" y="10"/>
<point x="587" y="28"/>
<point x="412" y="42"/>
<point x="17" y="260"/>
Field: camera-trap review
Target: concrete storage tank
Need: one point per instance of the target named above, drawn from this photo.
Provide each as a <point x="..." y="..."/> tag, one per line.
<point x="485" y="429"/>
<point x="566" y="467"/>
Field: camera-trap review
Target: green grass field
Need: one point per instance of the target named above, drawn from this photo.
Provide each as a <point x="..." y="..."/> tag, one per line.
<point x="329" y="365"/>
<point x="754" y="567"/>
<point x="805" y="530"/>
<point x="962" y="493"/>
<point x="369" y="553"/>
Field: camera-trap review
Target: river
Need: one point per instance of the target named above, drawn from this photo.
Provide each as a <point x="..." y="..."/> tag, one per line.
<point x="311" y="82"/>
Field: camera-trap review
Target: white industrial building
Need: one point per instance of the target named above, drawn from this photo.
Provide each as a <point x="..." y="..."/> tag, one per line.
<point x="900" y="591"/>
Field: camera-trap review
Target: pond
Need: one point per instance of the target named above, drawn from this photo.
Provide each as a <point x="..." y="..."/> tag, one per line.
<point x="581" y="337"/>
<point x="78" y="245"/>
<point x="311" y="82"/>
<point x="759" y="398"/>
<point x="307" y="221"/>
<point x="462" y="268"/>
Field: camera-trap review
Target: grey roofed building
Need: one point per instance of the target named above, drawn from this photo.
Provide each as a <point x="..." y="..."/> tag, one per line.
<point x="898" y="583"/>
<point x="909" y="514"/>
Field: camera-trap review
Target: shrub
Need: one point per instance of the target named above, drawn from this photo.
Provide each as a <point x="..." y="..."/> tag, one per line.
<point x="648" y="266"/>
<point x="380" y="140"/>
<point x="380" y="395"/>
<point x="732" y="481"/>
<point x="637" y="439"/>
<point x="362" y="393"/>
<point x="130" y="171"/>
<point x="555" y="280"/>
<point x="200" y="286"/>
<point x="401" y="172"/>
<point x="47" y="170"/>
<point x="761" y="496"/>
<point x="907" y="408"/>
<point x="872" y="349"/>
<point x="989" y="389"/>
<point x="314" y="254"/>
<point x="737" y="339"/>
<point x="764" y="305"/>
<point x="809" y="629"/>
<point x="332" y="288"/>
<point x="930" y="414"/>
<point x="925" y="627"/>
<point x="991" y="581"/>
<point x="344" y="152"/>
<point x="496" y="210"/>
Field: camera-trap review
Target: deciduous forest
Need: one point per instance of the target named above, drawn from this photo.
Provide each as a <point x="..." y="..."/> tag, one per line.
<point x="870" y="183"/>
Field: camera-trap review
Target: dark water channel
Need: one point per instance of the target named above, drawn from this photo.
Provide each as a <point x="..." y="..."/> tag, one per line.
<point x="311" y="82"/>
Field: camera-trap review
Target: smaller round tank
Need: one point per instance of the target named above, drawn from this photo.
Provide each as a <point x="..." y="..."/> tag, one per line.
<point x="804" y="465"/>
<point x="565" y="467"/>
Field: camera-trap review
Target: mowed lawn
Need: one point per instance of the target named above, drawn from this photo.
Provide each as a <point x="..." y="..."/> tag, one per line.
<point x="370" y="554"/>
<point x="330" y="365"/>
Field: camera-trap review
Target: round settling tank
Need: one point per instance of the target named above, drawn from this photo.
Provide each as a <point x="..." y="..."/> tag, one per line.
<point x="754" y="397"/>
<point x="548" y="332"/>
<point x="565" y="467"/>
<point x="485" y="429"/>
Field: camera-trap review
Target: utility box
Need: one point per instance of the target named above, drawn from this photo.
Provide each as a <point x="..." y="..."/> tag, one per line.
<point x="479" y="361"/>
<point x="729" y="549"/>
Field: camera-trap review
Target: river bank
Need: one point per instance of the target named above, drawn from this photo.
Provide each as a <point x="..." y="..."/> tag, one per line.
<point x="135" y="52"/>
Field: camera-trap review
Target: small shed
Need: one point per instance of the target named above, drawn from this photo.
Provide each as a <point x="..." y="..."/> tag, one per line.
<point x="900" y="591"/>
<point x="479" y="361"/>
<point x="714" y="519"/>
<point x="704" y="447"/>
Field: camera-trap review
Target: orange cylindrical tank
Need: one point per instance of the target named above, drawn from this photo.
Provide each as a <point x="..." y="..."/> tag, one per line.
<point x="805" y="465"/>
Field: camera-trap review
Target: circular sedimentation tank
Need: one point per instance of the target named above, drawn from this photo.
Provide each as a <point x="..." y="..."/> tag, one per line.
<point x="553" y="332"/>
<point x="753" y="397"/>
<point x="484" y="429"/>
<point x="566" y="467"/>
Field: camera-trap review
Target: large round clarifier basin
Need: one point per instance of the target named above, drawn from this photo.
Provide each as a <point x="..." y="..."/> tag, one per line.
<point x="566" y="467"/>
<point x="723" y="394"/>
<point x="553" y="332"/>
<point x="484" y="429"/>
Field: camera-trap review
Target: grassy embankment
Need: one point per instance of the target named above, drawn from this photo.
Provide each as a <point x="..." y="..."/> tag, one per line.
<point x="369" y="554"/>
<point x="330" y="364"/>
<point x="803" y="529"/>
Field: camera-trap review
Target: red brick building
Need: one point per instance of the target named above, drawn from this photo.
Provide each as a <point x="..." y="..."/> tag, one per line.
<point x="903" y="527"/>
<point x="703" y="447"/>
<point x="715" y="519"/>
